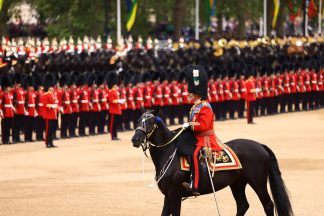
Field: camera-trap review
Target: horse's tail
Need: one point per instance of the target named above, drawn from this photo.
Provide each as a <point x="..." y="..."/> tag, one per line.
<point x="278" y="187"/>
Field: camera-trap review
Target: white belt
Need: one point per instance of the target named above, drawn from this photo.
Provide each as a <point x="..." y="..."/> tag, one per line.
<point x="320" y="83"/>
<point x="147" y="97"/>
<point x="84" y="101"/>
<point x="175" y="95"/>
<point x="159" y="96"/>
<point x="103" y="100"/>
<point x="314" y="82"/>
<point x="166" y="95"/>
<point x="8" y="105"/>
<point x="31" y="105"/>
<point x="95" y="101"/>
<point x="21" y="102"/>
<point x="40" y="104"/>
<point x="286" y="84"/>
<point x="74" y="101"/>
<point x="67" y="102"/>
<point x="292" y="83"/>
<point x="307" y="82"/>
<point x="243" y="90"/>
<point x="130" y="98"/>
<point x="138" y="98"/>
<point x="235" y="90"/>
<point x="53" y="105"/>
<point x="185" y="94"/>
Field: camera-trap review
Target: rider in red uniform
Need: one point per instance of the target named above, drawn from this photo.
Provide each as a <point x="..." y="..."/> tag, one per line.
<point x="201" y="119"/>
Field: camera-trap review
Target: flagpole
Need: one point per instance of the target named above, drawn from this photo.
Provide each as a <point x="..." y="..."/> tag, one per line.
<point x="320" y="18"/>
<point x="306" y="18"/>
<point x="264" y="17"/>
<point x="118" y="22"/>
<point x="197" y="21"/>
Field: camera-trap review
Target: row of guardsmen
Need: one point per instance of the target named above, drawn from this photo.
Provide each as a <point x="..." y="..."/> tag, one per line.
<point x="110" y="102"/>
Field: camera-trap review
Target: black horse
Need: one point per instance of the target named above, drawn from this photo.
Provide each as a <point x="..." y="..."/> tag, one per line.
<point x="258" y="164"/>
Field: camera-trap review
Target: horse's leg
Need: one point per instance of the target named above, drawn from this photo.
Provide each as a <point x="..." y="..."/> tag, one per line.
<point x="238" y="190"/>
<point x="172" y="205"/>
<point x="260" y="187"/>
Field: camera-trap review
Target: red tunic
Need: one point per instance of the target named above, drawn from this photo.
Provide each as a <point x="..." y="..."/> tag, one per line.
<point x="286" y="89"/>
<point x="212" y="92"/>
<point x="204" y="132"/>
<point x="227" y="90"/>
<point x="242" y="88"/>
<point x="220" y="91"/>
<point x="19" y="100"/>
<point x="51" y="106"/>
<point x="94" y="100"/>
<point x="6" y="104"/>
<point x="166" y="95"/>
<point x="293" y="83"/>
<point x="279" y="84"/>
<point x="158" y="101"/>
<point x="235" y="90"/>
<point x="138" y="98"/>
<point x="147" y="96"/>
<point x="74" y="97"/>
<point x="130" y="98"/>
<point x="307" y="82"/>
<point x="40" y="103"/>
<point x="266" y="86"/>
<point x="258" y="86"/>
<point x="31" y="103"/>
<point x="273" y="90"/>
<point x="114" y="108"/>
<point x="250" y="90"/>
<point x="123" y="93"/>
<point x="175" y="94"/>
<point x="314" y="81"/>
<point x="65" y="103"/>
<point x="84" y="100"/>
<point x="184" y="93"/>
<point x="103" y="98"/>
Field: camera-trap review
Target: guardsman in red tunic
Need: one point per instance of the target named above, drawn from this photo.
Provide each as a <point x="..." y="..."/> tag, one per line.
<point x="7" y="109"/>
<point x="300" y="88"/>
<point x="293" y="89"/>
<point x="201" y="120"/>
<point x="265" y="106"/>
<point x="273" y="95"/>
<point x="286" y="89"/>
<point x="279" y="86"/>
<point x="130" y="100"/>
<point x="84" y="105"/>
<point x="74" y="98"/>
<point x="31" y="109"/>
<point x="157" y="91"/>
<point x="221" y="99"/>
<point x="235" y="89"/>
<point x="123" y="95"/>
<point x="250" y="98"/>
<point x="243" y="95"/>
<point x="114" y="104"/>
<point x="147" y="91"/>
<point x="103" y="99"/>
<point x="65" y="106"/>
<point x="259" y="93"/>
<point x="94" y="105"/>
<point x="19" y="104"/>
<point x="314" y="85"/>
<point x="227" y="95"/>
<point x="50" y="111"/>
<point x="166" y="92"/>
<point x="185" y="102"/>
<point x="320" y="93"/>
<point x="40" y="123"/>
<point x="307" y="83"/>
<point x="175" y="100"/>
<point x="138" y="95"/>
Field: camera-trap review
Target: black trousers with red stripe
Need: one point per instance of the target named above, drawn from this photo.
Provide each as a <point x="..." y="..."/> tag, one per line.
<point x="113" y="125"/>
<point x="6" y="126"/>
<point x="50" y="127"/>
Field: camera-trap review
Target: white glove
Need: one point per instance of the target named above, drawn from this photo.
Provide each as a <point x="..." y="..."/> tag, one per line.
<point x="185" y="125"/>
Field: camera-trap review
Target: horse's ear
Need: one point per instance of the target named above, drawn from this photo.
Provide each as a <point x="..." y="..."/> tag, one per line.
<point x="142" y="110"/>
<point x="156" y="111"/>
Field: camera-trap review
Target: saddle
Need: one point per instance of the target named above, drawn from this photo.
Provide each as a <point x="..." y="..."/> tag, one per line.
<point x="217" y="161"/>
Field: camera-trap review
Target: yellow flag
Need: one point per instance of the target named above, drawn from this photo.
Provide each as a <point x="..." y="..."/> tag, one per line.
<point x="276" y="12"/>
<point x="1" y="1"/>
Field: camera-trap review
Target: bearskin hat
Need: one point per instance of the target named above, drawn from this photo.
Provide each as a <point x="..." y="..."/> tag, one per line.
<point x="65" y="79"/>
<point x="127" y="78"/>
<point x="91" y="79"/>
<point x="100" y="79"/>
<point x="181" y="77"/>
<point x="38" y="81"/>
<point x="81" y="80"/>
<point x="137" y="78"/>
<point x="156" y="76"/>
<point x="147" y="77"/>
<point x="30" y="82"/>
<point x="49" y="81"/>
<point x="112" y="79"/>
<point x="5" y="82"/>
<point x="17" y="78"/>
<point x="197" y="80"/>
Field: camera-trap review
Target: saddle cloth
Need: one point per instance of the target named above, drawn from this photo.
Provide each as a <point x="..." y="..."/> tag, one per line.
<point x="223" y="160"/>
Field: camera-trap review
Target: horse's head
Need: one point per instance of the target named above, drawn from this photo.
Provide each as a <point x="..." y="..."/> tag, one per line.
<point x="145" y="127"/>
